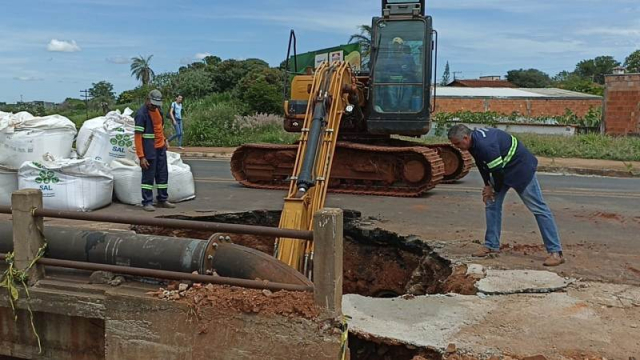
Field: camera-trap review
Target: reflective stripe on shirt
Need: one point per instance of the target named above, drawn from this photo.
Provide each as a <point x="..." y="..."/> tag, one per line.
<point x="512" y="150"/>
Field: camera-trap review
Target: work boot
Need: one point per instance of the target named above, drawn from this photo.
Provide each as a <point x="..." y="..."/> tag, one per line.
<point x="148" y="207"/>
<point x="484" y="252"/>
<point x="166" y="205"/>
<point x="554" y="259"/>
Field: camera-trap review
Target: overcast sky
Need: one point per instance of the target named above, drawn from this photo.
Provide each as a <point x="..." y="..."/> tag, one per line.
<point x="50" y="50"/>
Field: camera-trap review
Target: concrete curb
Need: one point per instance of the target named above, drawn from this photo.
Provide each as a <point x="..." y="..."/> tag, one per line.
<point x="212" y="155"/>
<point x="541" y="168"/>
<point x="588" y="171"/>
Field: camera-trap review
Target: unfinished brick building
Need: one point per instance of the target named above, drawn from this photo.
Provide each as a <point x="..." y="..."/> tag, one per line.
<point x="622" y="104"/>
<point x="526" y="102"/>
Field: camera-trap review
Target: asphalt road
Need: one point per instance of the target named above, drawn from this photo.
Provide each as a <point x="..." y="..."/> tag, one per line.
<point x="598" y="218"/>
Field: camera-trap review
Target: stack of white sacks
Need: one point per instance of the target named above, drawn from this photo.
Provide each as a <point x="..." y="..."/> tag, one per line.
<point x="36" y="152"/>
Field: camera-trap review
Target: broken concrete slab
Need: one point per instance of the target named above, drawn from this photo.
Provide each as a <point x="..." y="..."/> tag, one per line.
<point x="609" y="295"/>
<point x="423" y="321"/>
<point x="476" y="271"/>
<point x="521" y="281"/>
<point x="551" y="324"/>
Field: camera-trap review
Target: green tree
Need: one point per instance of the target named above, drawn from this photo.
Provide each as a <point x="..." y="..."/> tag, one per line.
<point x="102" y="95"/>
<point x="261" y="97"/>
<point x="72" y="104"/>
<point x="166" y="82"/>
<point x="141" y="69"/>
<point x="595" y="69"/>
<point x="632" y="62"/>
<point x="574" y="82"/>
<point x="212" y="60"/>
<point x="446" y="76"/>
<point x="364" y="38"/>
<point x="135" y="96"/>
<point x="194" y="83"/>
<point x="262" y="91"/>
<point x="531" y="78"/>
<point x="127" y="97"/>
<point x="102" y="89"/>
<point x="228" y="73"/>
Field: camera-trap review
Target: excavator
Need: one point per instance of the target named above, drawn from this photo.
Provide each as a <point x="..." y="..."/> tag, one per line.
<point x="393" y="98"/>
<point x="346" y="120"/>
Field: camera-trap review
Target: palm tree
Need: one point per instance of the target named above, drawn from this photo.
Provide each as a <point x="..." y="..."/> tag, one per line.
<point x="141" y="70"/>
<point x="364" y="38"/>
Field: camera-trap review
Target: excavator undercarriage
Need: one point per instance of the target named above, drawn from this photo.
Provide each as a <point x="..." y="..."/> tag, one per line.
<point x="388" y="168"/>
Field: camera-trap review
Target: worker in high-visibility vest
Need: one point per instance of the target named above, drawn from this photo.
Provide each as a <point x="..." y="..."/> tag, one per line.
<point x="151" y="148"/>
<point x="506" y="163"/>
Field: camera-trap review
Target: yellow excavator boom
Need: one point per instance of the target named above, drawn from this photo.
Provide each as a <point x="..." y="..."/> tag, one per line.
<point x="328" y="101"/>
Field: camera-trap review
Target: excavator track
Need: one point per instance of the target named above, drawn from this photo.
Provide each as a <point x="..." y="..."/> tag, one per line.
<point x="457" y="163"/>
<point x="359" y="169"/>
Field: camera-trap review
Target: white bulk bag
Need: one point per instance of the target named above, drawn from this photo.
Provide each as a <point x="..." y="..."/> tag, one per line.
<point x="108" y="137"/>
<point x="69" y="184"/>
<point x="128" y="177"/>
<point x="8" y="184"/>
<point x="24" y="137"/>
<point x="182" y="186"/>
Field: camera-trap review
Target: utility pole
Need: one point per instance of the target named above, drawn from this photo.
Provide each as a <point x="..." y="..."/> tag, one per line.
<point x="85" y="95"/>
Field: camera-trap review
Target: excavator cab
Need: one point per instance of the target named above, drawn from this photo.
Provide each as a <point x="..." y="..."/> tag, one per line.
<point x="402" y="54"/>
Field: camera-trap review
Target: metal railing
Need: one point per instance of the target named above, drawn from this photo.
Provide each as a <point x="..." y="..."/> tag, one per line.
<point x="38" y="213"/>
<point x="170" y="223"/>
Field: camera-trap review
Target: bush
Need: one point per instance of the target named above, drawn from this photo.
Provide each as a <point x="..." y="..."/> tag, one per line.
<point x="258" y="120"/>
<point x="194" y="83"/>
<point x="589" y="146"/>
<point x="216" y="121"/>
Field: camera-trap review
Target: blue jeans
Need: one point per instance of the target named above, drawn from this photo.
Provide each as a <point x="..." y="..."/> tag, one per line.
<point x="178" y="134"/>
<point x="532" y="198"/>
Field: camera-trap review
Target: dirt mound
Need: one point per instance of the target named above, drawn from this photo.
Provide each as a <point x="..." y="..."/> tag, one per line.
<point x="222" y="297"/>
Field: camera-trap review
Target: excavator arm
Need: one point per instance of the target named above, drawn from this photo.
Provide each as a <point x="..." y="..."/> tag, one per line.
<point x="328" y="101"/>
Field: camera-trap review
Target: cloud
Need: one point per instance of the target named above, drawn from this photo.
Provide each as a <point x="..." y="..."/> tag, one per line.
<point x="194" y="58"/>
<point x="613" y="31"/>
<point x="28" y="78"/>
<point x="119" y="60"/>
<point x="56" y="45"/>
<point x="200" y="56"/>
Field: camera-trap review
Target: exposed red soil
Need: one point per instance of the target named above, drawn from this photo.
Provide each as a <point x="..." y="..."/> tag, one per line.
<point x="373" y="270"/>
<point x="459" y="282"/>
<point x="222" y="297"/>
<point x="602" y="215"/>
<point x="369" y="269"/>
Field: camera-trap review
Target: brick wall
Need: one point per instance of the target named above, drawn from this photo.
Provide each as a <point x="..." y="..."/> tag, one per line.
<point x="622" y="104"/>
<point x="533" y="107"/>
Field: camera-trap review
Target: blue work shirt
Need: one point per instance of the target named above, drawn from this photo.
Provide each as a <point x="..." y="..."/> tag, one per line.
<point x="497" y="151"/>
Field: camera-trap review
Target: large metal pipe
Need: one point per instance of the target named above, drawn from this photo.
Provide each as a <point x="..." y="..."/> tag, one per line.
<point x="171" y="275"/>
<point x="171" y="223"/>
<point x="159" y="253"/>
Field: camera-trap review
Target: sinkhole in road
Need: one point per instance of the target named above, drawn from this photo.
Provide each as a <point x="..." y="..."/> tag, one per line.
<point x="377" y="263"/>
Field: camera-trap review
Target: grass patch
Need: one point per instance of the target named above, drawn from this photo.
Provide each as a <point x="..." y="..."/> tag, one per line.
<point x="215" y="121"/>
<point x="589" y="146"/>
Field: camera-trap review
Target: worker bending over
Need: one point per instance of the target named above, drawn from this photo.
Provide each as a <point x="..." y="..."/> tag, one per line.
<point x="505" y="163"/>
